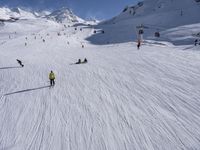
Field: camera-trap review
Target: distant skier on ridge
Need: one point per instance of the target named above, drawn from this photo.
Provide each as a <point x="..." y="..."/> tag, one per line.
<point x="52" y="78"/>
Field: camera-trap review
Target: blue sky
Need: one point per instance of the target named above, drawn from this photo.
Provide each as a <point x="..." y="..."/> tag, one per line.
<point x="100" y="9"/>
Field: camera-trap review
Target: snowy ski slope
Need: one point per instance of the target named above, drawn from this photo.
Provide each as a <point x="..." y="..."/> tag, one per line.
<point x="122" y="99"/>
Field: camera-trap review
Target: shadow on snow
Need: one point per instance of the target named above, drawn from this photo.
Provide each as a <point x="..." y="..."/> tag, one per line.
<point x="27" y="90"/>
<point x="10" y="67"/>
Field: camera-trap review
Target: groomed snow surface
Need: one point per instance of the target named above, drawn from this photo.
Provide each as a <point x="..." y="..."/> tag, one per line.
<point x="122" y="99"/>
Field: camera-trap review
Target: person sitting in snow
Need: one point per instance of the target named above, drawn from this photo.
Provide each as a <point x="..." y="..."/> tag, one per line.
<point x="85" y="60"/>
<point x="79" y="61"/>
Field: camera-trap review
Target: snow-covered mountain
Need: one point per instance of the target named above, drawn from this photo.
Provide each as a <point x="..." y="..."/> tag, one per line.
<point x="15" y="13"/>
<point x="64" y="15"/>
<point x="154" y="16"/>
<point x="6" y="14"/>
<point x="162" y="12"/>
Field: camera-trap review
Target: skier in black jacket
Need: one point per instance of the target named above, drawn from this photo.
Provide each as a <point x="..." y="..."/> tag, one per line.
<point x="20" y="62"/>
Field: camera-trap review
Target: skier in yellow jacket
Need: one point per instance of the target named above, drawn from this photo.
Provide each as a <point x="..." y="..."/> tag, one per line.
<point x="52" y="78"/>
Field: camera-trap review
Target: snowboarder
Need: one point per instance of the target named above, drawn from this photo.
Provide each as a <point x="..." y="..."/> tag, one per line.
<point x="20" y="62"/>
<point x="52" y="78"/>
<point x="139" y="44"/>
<point x="79" y="61"/>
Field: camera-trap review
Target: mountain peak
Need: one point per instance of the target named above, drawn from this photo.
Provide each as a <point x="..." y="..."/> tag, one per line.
<point x="16" y="10"/>
<point x="64" y="14"/>
<point x="15" y="13"/>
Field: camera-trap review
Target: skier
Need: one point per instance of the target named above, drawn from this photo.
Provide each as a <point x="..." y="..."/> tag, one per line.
<point x="20" y="62"/>
<point x="139" y="44"/>
<point x="52" y="78"/>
